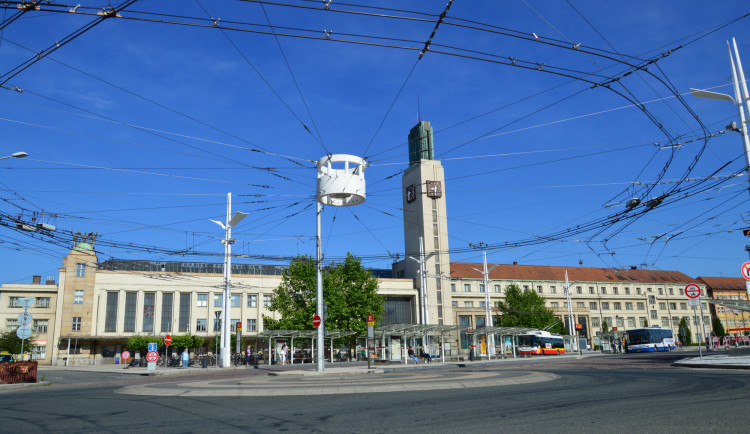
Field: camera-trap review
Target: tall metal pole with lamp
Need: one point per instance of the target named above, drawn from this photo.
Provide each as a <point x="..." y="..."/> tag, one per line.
<point x="741" y="100"/>
<point x="487" y="304"/>
<point x="336" y="187"/>
<point x="227" y="241"/>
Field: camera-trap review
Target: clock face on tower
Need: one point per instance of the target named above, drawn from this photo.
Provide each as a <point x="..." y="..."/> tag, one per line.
<point x="411" y="193"/>
<point x="434" y="189"/>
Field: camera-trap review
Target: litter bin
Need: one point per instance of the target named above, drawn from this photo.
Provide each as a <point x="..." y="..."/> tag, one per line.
<point x="471" y="354"/>
<point x="204" y="362"/>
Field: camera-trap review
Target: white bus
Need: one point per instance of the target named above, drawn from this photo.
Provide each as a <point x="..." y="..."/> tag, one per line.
<point x="540" y="342"/>
<point x="649" y="339"/>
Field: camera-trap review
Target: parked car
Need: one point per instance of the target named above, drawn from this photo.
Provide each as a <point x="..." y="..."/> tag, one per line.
<point x="6" y="357"/>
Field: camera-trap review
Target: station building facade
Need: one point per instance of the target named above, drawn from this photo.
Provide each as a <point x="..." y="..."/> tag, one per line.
<point x="87" y="316"/>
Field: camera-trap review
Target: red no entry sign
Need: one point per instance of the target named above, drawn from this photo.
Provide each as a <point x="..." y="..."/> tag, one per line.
<point x="693" y="291"/>
<point x="167" y="340"/>
<point x="316" y="321"/>
<point x="152" y="356"/>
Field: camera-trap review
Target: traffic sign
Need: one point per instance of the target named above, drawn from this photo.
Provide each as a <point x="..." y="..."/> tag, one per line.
<point x="152" y="356"/>
<point x="26" y="302"/>
<point x="152" y="347"/>
<point x="23" y="332"/>
<point x="167" y="340"/>
<point x="692" y="290"/>
<point x="316" y="321"/>
<point x="126" y="354"/>
<point x="24" y="318"/>
<point x="370" y="319"/>
<point x="746" y="270"/>
<point x="694" y="302"/>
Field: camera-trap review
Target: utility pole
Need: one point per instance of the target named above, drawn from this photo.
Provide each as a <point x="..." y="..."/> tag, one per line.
<point x="571" y="330"/>
<point x="741" y="101"/>
<point x="422" y="282"/>
<point x="487" y="304"/>
<point x="227" y="241"/>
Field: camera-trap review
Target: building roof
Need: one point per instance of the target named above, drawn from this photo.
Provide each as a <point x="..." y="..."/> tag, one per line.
<point x="464" y="270"/>
<point x="725" y="283"/>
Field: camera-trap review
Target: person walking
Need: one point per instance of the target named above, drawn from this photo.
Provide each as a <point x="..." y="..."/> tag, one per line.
<point x="185" y="358"/>
<point x="283" y="354"/>
<point x="248" y="355"/>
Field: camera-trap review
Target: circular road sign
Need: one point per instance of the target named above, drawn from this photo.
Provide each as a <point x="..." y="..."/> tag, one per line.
<point x="693" y="290"/>
<point x="167" y="340"/>
<point x="746" y="270"/>
<point x="126" y="354"/>
<point x="23" y="332"/>
<point x="24" y="318"/>
<point x="152" y="356"/>
<point x="316" y="321"/>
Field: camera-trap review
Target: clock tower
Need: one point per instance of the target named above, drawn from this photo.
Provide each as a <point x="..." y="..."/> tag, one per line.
<point x="425" y="227"/>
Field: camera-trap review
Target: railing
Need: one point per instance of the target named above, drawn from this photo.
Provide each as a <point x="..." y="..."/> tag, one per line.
<point x="18" y="372"/>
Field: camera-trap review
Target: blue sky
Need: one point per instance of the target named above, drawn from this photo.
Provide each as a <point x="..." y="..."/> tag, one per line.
<point x="138" y="129"/>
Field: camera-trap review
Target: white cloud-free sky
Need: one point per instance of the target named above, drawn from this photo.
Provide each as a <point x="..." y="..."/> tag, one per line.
<point x="138" y="128"/>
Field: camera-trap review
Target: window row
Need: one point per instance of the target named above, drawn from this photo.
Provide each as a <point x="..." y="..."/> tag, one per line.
<point x="201" y="325"/>
<point x="39" y="302"/>
<point x="148" y="308"/>
<point x="234" y="301"/>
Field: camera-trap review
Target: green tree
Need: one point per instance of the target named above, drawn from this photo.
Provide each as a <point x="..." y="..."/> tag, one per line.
<point x="11" y="343"/>
<point x="526" y="309"/>
<point x="684" y="334"/>
<point x="186" y="341"/>
<point x="718" y="327"/>
<point x="605" y="327"/>
<point x="140" y="343"/>
<point x="350" y="293"/>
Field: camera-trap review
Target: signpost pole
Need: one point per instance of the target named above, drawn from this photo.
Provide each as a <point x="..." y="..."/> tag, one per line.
<point x="700" y="344"/>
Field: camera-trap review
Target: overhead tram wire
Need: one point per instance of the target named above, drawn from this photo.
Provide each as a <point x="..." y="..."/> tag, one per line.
<point x="318" y="136"/>
<point x="263" y="78"/>
<point x="411" y="71"/>
<point x="108" y="13"/>
<point x="158" y="104"/>
<point x="162" y="135"/>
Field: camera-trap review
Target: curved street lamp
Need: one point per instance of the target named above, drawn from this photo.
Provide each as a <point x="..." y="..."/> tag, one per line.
<point x="15" y="155"/>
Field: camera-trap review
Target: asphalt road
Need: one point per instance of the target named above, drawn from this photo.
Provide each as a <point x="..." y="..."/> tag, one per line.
<point x="611" y="393"/>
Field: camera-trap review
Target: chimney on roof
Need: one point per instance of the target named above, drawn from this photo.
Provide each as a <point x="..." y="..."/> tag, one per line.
<point x="36" y="280"/>
<point x="633" y="267"/>
<point x="50" y="280"/>
<point x="515" y="263"/>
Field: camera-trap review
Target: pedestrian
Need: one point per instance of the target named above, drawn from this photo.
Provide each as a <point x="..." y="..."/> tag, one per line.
<point x="185" y="358"/>
<point x="248" y="355"/>
<point x="424" y="354"/>
<point x="411" y="354"/>
<point x="283" y="354"/>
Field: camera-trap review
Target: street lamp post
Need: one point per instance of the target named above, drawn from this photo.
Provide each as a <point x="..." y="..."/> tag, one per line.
<point x="741" y="99"/>
<point x="15" y="155"/>
<point x="227" y="241"/>
<point x="487" y="304"/>
<point x="336" y="187"/>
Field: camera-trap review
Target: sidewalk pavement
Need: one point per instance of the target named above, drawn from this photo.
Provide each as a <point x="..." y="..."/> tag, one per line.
<point x="710" y="359"/>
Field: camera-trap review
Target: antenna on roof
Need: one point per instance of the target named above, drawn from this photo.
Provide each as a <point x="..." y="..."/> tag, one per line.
<point x="419" y="110"/>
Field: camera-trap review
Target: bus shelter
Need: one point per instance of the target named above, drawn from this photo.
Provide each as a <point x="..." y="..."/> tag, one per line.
<point x="392" y="340"/>
<point x="276" y="338"/>
<point x="507" y="336"/>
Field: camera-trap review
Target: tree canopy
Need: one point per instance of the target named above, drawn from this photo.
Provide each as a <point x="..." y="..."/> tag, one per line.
<point x="684" y="334"/>
<point x="526" y="309"/>
<point x="11" y="343"/>
<point x="718" y="327"/>
<point x="349" y="292"/>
